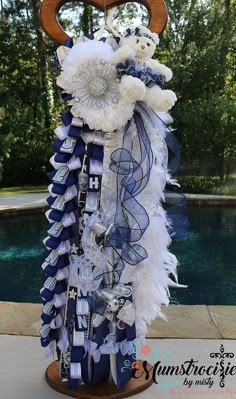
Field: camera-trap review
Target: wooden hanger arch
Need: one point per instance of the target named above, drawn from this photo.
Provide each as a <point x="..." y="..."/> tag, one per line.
<point x="50" y="8"/>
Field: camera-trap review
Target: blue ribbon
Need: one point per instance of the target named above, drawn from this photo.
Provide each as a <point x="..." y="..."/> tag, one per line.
<point x="145" y="74"/>
<point x="131" y="219"/>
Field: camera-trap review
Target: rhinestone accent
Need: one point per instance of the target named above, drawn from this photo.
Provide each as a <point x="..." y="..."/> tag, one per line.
<point x="96" y="85"/>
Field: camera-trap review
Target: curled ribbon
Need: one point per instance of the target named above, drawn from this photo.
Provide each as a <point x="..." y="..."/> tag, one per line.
<point x="132" y="166"/>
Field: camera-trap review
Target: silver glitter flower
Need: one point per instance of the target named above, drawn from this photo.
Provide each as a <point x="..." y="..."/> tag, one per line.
<point x="95" y="85"/>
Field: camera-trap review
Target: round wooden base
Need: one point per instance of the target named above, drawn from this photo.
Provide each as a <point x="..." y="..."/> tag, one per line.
<point x="104" y="390"/>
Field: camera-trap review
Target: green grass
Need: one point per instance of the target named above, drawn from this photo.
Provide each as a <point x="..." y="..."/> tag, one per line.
<point x="189" y="184"/>
<point x="207" y="185"/>
<point x="22" y="190"/>
<point x="226" y="190"/>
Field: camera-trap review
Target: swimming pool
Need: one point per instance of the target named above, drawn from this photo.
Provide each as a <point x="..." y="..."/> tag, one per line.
<point x="207" y="259"/>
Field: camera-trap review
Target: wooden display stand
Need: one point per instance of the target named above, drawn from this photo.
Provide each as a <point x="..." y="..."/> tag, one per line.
<point x="104" y="390"/>
<point x="50" y="8"/>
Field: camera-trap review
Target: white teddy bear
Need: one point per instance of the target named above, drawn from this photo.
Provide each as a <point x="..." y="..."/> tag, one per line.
<point x="139" y="44"/>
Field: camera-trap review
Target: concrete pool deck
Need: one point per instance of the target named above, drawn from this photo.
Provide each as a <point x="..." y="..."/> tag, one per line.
<point x="20" y="203"/>
<point x="23" y="368"/>
<point x="206" y="328"/>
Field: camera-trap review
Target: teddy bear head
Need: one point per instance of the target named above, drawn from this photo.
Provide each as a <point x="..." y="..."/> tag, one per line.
<point x="141" y="39"/>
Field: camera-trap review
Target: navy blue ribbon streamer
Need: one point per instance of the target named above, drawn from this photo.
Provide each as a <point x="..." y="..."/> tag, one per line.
<point x="131" y="218"/>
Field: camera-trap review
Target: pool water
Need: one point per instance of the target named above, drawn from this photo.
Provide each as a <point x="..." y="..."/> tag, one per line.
<point x="207" y="259"/>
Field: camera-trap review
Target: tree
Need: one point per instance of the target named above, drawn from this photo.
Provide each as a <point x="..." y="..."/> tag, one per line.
<point x="27" y="104"/>
<point x="199" y="44"/>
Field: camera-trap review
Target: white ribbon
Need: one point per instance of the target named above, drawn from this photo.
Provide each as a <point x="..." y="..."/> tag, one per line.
<point x="105" y="349"/>
<point x="47" y="308"/>
<point x="67" y="220"/>
<point x="127" y="313"/>
<point x="50" y="349"/>
<point x="64" y="341"/>
<point x="44" y="330"/>
<point x="70" y="193"/>
<point x="82" y="306"/>
<point x="78" y="338"/>
<point x="78" y="122"/>
<point x="62" y="131"/>
<point x="50" y="190"/>
<point x="72" y="164"/>
<point x="59" y="300"/>
<point x="97" y="320"/>
<point x="95" y="167"/>
<point x="96" y="138"/>
<point x="62" y="273"/>
<point x="111" y="347"/>
<point x="75" y="371"/>
<point x="63" y="247"/>
<point x="89" y="346"/>
<point x="50" y="283"/>
<point x="127" y="347"/>
<point x="56" y="322"/>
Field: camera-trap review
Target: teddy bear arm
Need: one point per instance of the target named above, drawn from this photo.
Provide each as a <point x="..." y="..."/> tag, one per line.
<point x="160" y="68"/>
<point x="123" y="53"/>
<point x="132" y="88"/>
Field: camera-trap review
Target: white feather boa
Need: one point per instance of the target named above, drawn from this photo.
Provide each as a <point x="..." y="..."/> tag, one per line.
<point x="153" y="276"/>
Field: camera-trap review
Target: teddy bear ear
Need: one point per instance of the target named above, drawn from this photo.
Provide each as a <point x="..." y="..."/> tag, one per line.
<point x="156" y="38"/>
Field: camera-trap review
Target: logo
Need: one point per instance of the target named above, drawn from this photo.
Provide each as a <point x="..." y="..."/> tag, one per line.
<point x="168" y="372"/>
<point x="222" y="355"/>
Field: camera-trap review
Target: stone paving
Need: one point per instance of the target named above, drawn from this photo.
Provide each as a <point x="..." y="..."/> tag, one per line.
<point x="184" y="321"/>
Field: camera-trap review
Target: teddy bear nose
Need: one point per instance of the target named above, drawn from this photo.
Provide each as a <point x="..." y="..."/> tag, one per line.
<point x="143" y="47"/>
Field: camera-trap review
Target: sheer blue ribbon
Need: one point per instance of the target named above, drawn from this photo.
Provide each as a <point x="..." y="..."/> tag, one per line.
<point x="132" y="167"/>
<point x="175" y="201"/>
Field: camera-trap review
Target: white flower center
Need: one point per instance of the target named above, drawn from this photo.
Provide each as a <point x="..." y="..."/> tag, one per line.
<point x="98" y="86"/>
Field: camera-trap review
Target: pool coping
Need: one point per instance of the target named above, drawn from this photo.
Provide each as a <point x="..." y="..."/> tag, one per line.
<point x="23" y="210"/>
<point x="184" y="321"/>
<point x="215" y="200"/>
<point x="192" y="199"/>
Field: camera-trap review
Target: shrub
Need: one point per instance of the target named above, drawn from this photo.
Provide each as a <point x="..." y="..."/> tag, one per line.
<point x="199" y="184"/>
